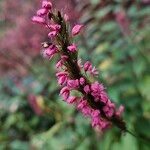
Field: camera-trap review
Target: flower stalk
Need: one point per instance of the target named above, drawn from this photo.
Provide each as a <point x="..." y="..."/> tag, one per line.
<point x="74" y="76"/>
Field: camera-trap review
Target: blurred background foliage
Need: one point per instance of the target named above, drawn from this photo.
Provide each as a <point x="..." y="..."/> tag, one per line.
<point x="116" y="39"/>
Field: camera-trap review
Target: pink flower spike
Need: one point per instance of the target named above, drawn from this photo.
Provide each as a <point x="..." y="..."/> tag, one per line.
<point x="46" y="4"/>
<point x="42" y="12"/>
<point x="72" y="48"/>
<point x="38" y="19"/>
<point x="52" y="34"/>
<point x="76" y="29"/>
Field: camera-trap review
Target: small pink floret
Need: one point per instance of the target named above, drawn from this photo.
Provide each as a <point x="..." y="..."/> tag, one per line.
<point x="72" y="99"/>
<point x="42" y="12"/>
<point x="120" y="111"/>
<point x="66" y="18"/>
<point x="65" y="93"/>
<point x="38" y="19"/>
<point x="72" y="48"/>
<point x="55" y="27"/>
<point x="88" y="66"/>
<point x="76" y="29"/>
<point x="87" y="89"/>
<point x="82" y="81"/>
<point x="73" y="84"/>
<point x="52" y="34"/>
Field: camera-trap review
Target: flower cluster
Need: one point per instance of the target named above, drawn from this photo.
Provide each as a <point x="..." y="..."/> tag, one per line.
<point x="93" y="101"/>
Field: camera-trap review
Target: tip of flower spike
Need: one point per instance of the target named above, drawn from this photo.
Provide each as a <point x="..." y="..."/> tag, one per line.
<point x="76" y="29"/>
<point x="66" y="18"/>
<point x="46" y="4"/>
<point x="38" y="20"/>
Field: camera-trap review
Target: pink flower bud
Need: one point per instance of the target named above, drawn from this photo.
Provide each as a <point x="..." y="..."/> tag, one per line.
<point x="46" y="4"/>
<point x="62" y="77"/>
<point x="65" y="93"/>
<point x="86" y="111"/>
<point x="64" y="57"/>
<point x="82" y="80"/>
<point x="95" y="87"/>
<point x="42" y="12"/>
<point x="73" y="83"/>
<point x="94" y="71"/>
<point x="49" y="52"/>
<point x="82" y="103"/>
<point x="103" y="124"/>
<point x="88" y="66"/>
<point x="59" y="74"/>
<point x="109" y="111"/>
<point x="66" y="18"/>
<point x="104" y="96"/>
<point x="95" y="113"/>
<point x="120" y="111"/>
<point x="72" y="48"/>
<point x="55" y="27"/>
<point x="59" y="64"/>
<point x="52" y="34"/>
<point x="38" y="19"/>
<point x="79" y="62"/>
<point x="95" y="122"/>
<point x="87" y="89"/>
<point x="72" y="99"/>
<point x="62" y="80"/>
<point x="76" y="29"/>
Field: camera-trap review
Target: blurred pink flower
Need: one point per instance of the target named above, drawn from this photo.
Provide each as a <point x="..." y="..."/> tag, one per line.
<point x="123" y="22"/>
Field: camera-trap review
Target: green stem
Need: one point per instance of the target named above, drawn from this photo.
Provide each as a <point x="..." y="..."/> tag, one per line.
<point x="145" y="140"/>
